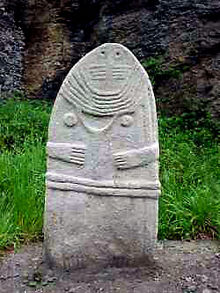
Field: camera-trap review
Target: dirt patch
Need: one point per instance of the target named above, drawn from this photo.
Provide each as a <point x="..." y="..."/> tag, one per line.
<point x="186" y="267"/>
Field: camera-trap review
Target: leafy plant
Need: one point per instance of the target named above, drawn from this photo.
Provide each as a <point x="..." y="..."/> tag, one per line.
<point x="158" y="69"/>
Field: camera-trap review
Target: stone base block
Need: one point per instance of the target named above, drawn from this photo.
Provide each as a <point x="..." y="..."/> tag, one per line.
<point x="83" y="230"/>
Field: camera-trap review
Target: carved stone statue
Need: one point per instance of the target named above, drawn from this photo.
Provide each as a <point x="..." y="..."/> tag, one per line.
<point x="102" y="178"/>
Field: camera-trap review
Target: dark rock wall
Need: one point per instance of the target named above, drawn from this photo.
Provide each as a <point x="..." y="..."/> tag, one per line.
<point x="184" y="33"/>
<point x="11" y="48"/>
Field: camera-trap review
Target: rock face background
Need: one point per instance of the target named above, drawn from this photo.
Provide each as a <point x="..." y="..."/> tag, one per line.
<point x="11" y="48"/>
<point x="40" y="40"/>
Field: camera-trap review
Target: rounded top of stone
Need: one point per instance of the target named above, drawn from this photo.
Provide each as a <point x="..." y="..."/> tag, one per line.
<point x="105" y="82"/>
<point x="111" y="53"/>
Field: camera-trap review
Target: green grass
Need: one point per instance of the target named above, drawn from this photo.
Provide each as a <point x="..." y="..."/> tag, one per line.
<point x="23" y="134"/>
<point x="189" y="173"/>
<point x="190" y="178"/>
<point x="22" y="193"/>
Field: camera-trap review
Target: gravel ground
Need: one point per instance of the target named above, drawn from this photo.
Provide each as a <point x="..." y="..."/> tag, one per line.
<point x="186" y="267"/>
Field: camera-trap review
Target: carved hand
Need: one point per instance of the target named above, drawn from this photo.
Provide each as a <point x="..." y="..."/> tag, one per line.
<point x="137" y="157"/>
<point x="72" y="153"/>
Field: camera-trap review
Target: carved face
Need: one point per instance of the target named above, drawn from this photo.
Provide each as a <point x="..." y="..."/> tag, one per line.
<point x="110" y="73"/>
<point x="105" y="82"/>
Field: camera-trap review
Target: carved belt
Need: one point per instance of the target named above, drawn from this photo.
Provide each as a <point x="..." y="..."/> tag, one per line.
<point x="103" y="188"/>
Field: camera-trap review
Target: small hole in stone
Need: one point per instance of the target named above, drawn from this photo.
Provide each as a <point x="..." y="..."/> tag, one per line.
<point x="117" y="53"/>
<point x="103" y="52"/>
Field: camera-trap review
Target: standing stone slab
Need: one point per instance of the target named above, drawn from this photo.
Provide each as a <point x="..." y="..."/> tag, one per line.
<point x="102" y="178"/>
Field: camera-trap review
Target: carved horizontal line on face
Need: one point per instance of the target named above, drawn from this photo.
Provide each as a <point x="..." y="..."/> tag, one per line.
<point x="116" y="69"/>
<point x="109" y="67"/>
<point x="104" y="94"/>
<point x="94" y="71"/>
<point x="97" y="66"/>
<point x="98" y="78"/>
<point x="85" y="91"/>
<point x="119" y="72"/>
<point x="98" y="74"/>
<point x="119" y="78"/>
<point x="122" y="66"/>
<point x="121" y="91"/>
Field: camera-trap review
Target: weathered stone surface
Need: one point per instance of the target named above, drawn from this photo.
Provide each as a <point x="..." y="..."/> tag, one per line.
<point x="102" y="179"/>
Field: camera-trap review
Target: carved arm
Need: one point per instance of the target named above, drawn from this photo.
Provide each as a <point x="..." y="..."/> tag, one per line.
<point x="67" y="152"/>
<point x="136" y="157"/>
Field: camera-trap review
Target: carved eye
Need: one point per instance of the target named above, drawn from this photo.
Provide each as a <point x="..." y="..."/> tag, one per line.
<point x="118" y="54"/>
<point x="126" y="120"/>
<point x="103" y="53"/>
<point x="70" y="119"/>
